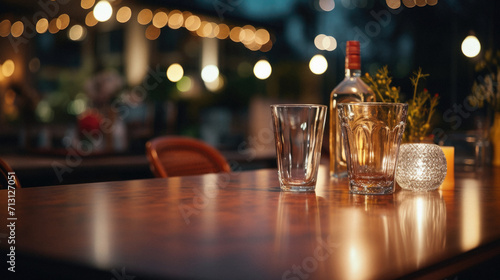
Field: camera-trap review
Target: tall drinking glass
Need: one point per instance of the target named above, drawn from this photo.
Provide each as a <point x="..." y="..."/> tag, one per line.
<point x="372" y="133"/>
<point x="298" y="133"/>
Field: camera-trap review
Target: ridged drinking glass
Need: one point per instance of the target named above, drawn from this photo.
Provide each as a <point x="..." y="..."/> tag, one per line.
<point x="372" y="134"/>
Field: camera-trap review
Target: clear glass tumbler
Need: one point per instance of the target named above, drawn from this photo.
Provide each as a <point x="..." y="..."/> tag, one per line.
<point x="372" y="134"/>
<point x="298" y="133"/>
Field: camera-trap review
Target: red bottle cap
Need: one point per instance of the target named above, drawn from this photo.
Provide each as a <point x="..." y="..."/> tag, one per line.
<point x="352" y="57"/>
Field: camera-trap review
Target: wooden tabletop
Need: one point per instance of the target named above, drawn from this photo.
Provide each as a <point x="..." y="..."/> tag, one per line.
<point x="240" y="226"/>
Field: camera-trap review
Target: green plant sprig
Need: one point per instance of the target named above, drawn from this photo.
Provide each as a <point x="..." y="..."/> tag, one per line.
<point x="381" y="85"/>
<point x="421" y="107"/>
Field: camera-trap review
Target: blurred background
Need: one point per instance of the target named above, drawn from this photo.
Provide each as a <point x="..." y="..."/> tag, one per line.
<point x="87" y="83"/>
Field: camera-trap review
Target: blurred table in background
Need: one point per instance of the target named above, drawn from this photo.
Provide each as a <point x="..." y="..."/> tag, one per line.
<point x="48" y="169"/>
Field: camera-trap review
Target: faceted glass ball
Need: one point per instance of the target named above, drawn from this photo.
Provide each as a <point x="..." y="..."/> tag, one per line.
<point x="421" y="167"/>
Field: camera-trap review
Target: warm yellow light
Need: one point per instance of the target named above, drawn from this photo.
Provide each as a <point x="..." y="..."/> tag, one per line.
<point x="326" y="5"/>
<point x="318" y="64"/>
<point x="192" y="23"/>
<point x="393" y="4"/>
<point x="208" y="30"/>
<point x="5" y="26"/>
<point x="145" y="16"/>
<point x="471" y="46"/>
<point x="235" y="34"/>
<point x="152" y="33"/>
<point x="209" y="73"/>
<point x="103" y="11"/>
<point x="247" y="34"/>
<point x="253" y="46"/>
<point x="175" y="72"/>
<point x="201" y="30"/>
<point x="42" y="25"/>
<point x="409" y="3"/>
<point x="17" y="29"/>
<point x="420" y="3"/>
<point x="77" y="33"/>
<point x="223" y="31"/>
<point x="87" y="4"/>
<point x="124" y="14"/>
<point x="432" y="2"/>
<point x="175" y="19"/>
<point x="262" y="69"/>
<point x="262" y="36"/>
<point x="63" y="21"/>
<point x="53" y="26"/>
<point x="8" y="68"/>
<point x="90" y="20"/>
<point x="160" y="19"/>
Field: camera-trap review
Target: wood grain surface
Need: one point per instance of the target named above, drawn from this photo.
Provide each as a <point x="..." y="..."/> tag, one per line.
<point x="241" y="226"/>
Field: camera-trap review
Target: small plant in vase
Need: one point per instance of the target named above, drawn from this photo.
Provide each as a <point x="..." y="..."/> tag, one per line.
<point x="421" y="107"/>
<point x="422" y="164"/>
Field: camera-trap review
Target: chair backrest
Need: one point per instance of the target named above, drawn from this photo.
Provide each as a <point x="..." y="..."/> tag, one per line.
<point x="6" y="173"/>
<point x="171" y="156"/>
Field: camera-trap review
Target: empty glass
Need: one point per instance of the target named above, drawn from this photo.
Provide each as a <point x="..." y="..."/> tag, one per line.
<point x="298" y="133"/>
<point x="372" y="133"/>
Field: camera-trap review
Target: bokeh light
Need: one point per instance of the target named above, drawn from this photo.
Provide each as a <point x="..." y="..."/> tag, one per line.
<point x="318" y="64"/>
<point x="175" y="72"/>
<point x="17" y="29"/>
<point x="63" y="21"/>
<point x="327" y="5"/>
<point x="393" y="4"/>
<point x="145" y="16"/>
<point x="42" y="25"/>
<point x="152" y="33"/>
<point x="175" y="19"/>
<point x="262" y="69"/>
<point x="103" y="11"/>
<point x="87" y="4"/>
<point x="90" y="19"/>
<point x="124" y="14"/>
<point x="184" y="84"/>
<point x="8" y="68"/>
<point x="5" y="26"/>
<point x="193" y="23"/>
<point x="160" y="19"/>
<point x="471" y="46"/>
<point x="53" y="26"/>
<point x="209" y="73"/>
<point x="77" y="33"/>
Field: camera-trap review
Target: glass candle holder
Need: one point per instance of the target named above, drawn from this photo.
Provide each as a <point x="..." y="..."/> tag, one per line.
<point x="421" y="167"/>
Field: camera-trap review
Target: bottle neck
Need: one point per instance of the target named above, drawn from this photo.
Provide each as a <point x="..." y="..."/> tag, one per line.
<point x="352" y="73"/>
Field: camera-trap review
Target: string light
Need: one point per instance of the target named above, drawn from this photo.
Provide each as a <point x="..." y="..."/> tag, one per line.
<point x="124" y="14"/>
<point x="42" y="25"/>
<point x="252" y="38"/>
<point x="5" y="27"/>
<point x="103" y="11"/>
<point x="145" y="16"/>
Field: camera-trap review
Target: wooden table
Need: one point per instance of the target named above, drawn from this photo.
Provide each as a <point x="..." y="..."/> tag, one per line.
<point x="240" y="226"/>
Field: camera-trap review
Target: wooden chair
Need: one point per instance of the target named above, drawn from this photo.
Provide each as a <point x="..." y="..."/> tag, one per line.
<point x="5" y="169"/>
<point x="171" y="156"/>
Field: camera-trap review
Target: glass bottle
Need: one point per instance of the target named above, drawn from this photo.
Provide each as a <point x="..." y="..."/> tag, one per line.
<point x="351" y="89"/>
